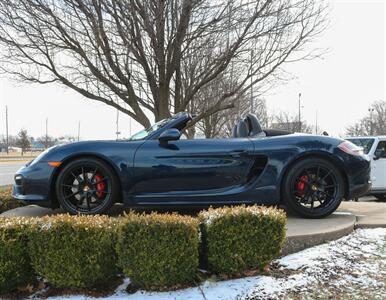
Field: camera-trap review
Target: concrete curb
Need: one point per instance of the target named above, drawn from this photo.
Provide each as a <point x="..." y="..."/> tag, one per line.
<point x="306" y="233"/>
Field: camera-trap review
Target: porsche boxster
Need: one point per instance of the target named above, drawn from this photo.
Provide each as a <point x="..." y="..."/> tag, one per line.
<point x="158" y="168"/>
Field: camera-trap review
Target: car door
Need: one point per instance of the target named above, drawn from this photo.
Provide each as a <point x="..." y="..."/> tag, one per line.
<point x="379" y="167"/>
<point x="191" y="167"/>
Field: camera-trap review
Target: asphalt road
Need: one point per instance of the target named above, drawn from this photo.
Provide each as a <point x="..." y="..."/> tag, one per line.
<point x="8" y="170"/>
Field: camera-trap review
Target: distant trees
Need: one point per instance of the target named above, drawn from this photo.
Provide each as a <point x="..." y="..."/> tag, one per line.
<point x="289" y="122"/>
<point x="373" y="123"/>
<point x="47" y="141"/>
<point x="23" y="140"/>
<point x="35" y="144"/>
<point x="157" y="57"/>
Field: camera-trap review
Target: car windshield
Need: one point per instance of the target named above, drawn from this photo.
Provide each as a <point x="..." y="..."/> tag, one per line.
<point x="365" y="143"/>
<point x="146" y="132"/>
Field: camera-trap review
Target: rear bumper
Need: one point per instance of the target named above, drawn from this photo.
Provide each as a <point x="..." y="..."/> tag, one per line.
<point x="359" y="190"/>
<point x="359" y="179"/>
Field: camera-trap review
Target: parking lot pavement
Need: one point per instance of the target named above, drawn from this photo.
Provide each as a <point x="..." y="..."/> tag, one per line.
<point x="368" y="214"/>
<point x="367" y="199"/>
<point x="8" y="170"/>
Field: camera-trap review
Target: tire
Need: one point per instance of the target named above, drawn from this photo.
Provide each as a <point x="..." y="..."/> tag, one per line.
<point x="95" y="195"/>
<point x="313" y="188"/>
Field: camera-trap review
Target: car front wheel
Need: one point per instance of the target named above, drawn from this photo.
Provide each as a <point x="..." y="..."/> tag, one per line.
<point x="313" y="188"/>
<point x="86" y="186"/>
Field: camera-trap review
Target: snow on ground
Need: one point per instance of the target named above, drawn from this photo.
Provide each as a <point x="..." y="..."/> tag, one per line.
<point x="353" y="267"/>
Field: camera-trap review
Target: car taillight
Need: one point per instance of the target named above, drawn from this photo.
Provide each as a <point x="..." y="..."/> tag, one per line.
<point x="350" y="148"/>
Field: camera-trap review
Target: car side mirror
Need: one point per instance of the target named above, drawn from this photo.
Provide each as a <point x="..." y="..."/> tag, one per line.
<point x="172" y="134"/>
<point x="378" y="154"/>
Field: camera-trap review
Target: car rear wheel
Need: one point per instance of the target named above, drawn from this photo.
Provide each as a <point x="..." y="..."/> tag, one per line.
<point x="313" y="188"/>
<point x="86" y="186"/>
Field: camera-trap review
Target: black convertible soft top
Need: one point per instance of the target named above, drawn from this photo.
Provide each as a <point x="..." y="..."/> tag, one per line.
<point x="275" y="132"/>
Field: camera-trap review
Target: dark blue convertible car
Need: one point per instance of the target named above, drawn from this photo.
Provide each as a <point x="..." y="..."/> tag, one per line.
<point x="157" y="168"/>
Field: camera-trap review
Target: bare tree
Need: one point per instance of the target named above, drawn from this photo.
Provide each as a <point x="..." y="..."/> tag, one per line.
<point x="23" y="140"/>
<point x="289" y="122"/>
<point x="12" y="140"/>
<point x="143" y="56"/>
<point x="47" y="141"/>
<point x="374" y="123"/>
<point x="221" y="124"/>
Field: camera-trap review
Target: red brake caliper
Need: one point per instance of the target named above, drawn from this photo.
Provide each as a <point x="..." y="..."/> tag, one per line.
<point x="100" y="186"/>
<point x="300" y="186"/>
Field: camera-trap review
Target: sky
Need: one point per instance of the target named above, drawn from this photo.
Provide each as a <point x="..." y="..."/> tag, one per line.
<point x="338" y="88"/>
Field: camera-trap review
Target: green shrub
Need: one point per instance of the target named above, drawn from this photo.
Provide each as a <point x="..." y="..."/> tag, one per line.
<point x="237" y="239"/>
<point x="74" y="251"/>
<point x="6" y="200"/>
<point x="158" y="251"/>
<point x="15" y="267"/>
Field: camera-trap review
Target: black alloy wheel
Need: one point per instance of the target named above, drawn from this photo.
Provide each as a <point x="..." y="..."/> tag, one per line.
<point x="86" y="186"/>
<point x="313" y="188"/>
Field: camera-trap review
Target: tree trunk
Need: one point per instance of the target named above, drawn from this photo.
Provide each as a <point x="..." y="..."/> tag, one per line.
<point x="191" y="132"/>
<point x="162" y="103"/>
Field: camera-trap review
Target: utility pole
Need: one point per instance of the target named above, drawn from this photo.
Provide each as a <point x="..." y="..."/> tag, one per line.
<point x="46" y="143"/>
<point x="316" y="122"/>
<point x="252" y="108"/>
<point x="300" y="117"/>
<point x="117" y="131"/>
<point x="78" y="130"/>
<point x="371" y="110"/>
<point x="6" y="128"/>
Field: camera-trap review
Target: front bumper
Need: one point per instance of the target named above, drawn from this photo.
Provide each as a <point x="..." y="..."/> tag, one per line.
<point x="33" y="184"/>
<point x="17" y="193"/>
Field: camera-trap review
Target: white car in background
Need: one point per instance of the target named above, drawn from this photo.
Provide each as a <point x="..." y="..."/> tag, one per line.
<point x="375" y="148"/>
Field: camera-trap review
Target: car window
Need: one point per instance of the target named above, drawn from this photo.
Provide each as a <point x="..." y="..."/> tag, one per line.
<point x="145" y="132"/>
<point x="381" y="149"/>
<point x="365" y="143"/>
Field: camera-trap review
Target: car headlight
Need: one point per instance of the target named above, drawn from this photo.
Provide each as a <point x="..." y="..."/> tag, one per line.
<point x="18" y="179"/>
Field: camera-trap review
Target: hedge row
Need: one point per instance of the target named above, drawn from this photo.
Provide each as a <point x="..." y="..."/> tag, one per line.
<point x="74" y="251"/>
<point x="158" y="250"/>
<point x="236" y="239"/>
<point x="154" y="250"/>
<point x="15" y="266"/>
<point x="7" y="202"/>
